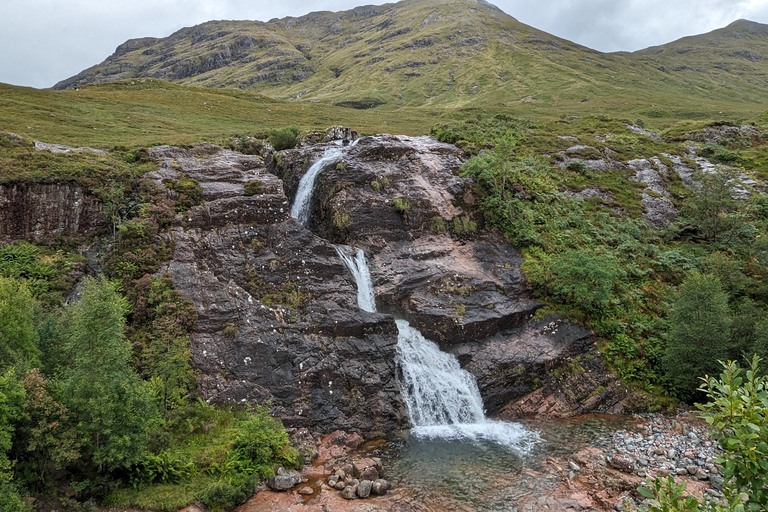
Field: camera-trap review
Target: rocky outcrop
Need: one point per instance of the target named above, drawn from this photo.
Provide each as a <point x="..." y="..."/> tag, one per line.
<point x="42" y="212"/>
<point x="277" y="317"/>
<point x="277" y="313"/>
<point x="401" y="199"/>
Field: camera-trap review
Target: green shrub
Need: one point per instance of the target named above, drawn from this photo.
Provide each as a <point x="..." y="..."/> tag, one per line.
<point x="222" y="495"/>
<point x="284" y="138"/>
<point x="402" y="205"/>
<point x="253" y="187"/>
<point x="230" y="330"/>
<point x="718" y="153"/>
<point x="437" y="225"/>
<point x="189" y="191"/>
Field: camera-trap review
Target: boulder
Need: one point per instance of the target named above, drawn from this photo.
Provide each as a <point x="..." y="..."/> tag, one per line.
<point x="284" y="480"/>
<point x="364" y="489"/>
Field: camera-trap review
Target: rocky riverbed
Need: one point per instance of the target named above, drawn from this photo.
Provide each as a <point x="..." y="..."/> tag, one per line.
<point x="600" y="472"/>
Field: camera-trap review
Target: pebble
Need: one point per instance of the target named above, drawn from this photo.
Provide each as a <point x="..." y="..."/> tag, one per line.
<point x="660" y="446"/>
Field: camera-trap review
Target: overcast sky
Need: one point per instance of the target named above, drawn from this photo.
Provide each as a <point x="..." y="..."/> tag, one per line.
<point x="44" y="41"/>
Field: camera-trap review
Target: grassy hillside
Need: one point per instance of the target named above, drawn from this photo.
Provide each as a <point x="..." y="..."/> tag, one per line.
<point x="452" y="54"/>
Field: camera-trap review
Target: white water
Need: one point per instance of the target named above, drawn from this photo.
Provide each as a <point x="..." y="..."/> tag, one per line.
<point x="443" y="400"/>
<point x="303" y="200"/>
<point x="359" y="269"/>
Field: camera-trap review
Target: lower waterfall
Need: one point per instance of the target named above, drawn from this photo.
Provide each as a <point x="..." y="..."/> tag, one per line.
<point x="443" y="401"/>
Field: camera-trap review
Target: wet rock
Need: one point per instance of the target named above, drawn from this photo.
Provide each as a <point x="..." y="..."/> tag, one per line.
<point x="306" y="491"/>
<point x="295" y="335"/>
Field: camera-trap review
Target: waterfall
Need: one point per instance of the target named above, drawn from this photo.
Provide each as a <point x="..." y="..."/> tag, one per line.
<point x="356" y="264"/>
<point x="303" y="200"/>
<point x="443" y="401"/>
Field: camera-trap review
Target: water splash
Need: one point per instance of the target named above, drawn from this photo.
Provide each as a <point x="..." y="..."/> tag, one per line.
<point x="303" y="200"/>
<point x="443" y="401"/>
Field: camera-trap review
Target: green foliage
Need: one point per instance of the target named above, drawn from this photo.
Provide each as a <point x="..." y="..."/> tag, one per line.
<point x="737" y="411"/>
<point x="189" y="192"/>
<point x="262" y="441"/>
<point x="45" y="439"/>
<point x="700" y="325"/>
<point x="718" y="154"/>
<point x="18" y="334"/>
<point x="48" y="274"/>
<point x="667" y="496"/>
<point x="402" y="205"/>
<point x="437" y="225"/>
<point x="714" y="210"/>
<point x="222" y="495"/>
<point x="580" y="276"/>
<point x="109" y="406"/>
<point x="161" y="321"/>
<point x="284" y="138"/>
<point x="253" y="187"/>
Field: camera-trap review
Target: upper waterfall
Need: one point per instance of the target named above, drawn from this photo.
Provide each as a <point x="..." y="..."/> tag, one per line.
<point x="303" y="200"/>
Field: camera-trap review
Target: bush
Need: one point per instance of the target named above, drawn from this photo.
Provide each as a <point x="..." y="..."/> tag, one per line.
<point x="221" y="495"/>
<point x="402" y="205"/>
<point x="253" y="187"/>
<point x="284" y="138"/>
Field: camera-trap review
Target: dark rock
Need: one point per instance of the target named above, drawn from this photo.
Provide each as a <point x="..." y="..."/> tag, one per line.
<point x="38" y="212"/>
<point x="380" y="487"/>
<point x="369" y="473"/>
<point x="623" y="464"/>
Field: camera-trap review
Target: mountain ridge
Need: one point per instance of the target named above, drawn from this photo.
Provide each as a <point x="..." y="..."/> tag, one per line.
<point x="456" y="54"/>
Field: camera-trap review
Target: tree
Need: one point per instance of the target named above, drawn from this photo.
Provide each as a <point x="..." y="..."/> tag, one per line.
<point x="11" y="400"/>
<point x="18" y="336"/>
<point x="699" y="334"/>
<point x="108" y="404"/>
<point x="714" y="209"/>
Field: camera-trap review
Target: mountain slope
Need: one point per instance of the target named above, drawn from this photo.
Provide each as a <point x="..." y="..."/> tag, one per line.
<point x="450" y="54"/>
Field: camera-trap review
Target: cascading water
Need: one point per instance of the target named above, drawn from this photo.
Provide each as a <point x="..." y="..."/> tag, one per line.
<point x="356" y="264"/>
<point x="303" y="200"/>
<point x="443" y="400"/>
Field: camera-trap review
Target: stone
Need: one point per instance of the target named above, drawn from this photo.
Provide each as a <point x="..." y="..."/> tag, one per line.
<point x="284" y="480"/>
<point x="332" y="480"/>
<point x="623" y="464"/>
<point x="349" y="492"/>
<point x="306" y="491"/>
<point x="380" y="487"/>
<point x="364" y="489"/>
<point x="340" y="484"/>
<point x="369" y="473"/>
<point x="573" y="466"/>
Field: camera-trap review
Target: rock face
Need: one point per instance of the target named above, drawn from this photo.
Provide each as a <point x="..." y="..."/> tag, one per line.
<point x="277" y="315"/>
<point x="42" y="212"/>
<point x="401" y="200"/>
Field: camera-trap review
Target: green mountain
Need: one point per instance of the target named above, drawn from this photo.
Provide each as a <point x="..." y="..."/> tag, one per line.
<point x="449" y="54"/>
